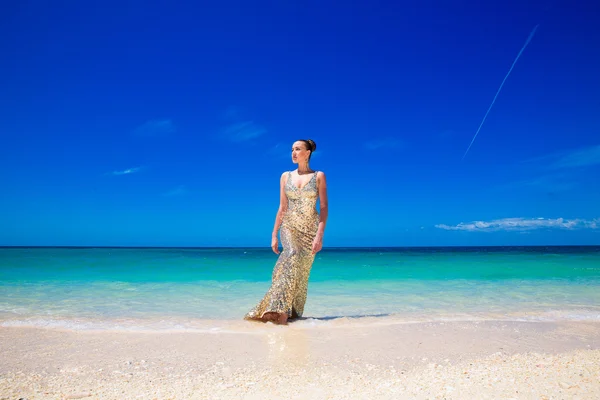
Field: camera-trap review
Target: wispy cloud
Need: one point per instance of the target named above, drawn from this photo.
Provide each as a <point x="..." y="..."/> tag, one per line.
<point x="384" y="143"/>
<point x="231" y="113"/>
<point x="127" y="171"/>
<point x="239" y="129"/>
<point x="559" y="182"/>
<point x="178" y="191"/>
<point x="578" y="158"/>
<point x="575" y="158"/>
<point x="523" y="224"/>
<point x="281" y="150"/>
<point x="243" y="131"/>
<point x="155" y="127"/>
<point x="556" y="172"/>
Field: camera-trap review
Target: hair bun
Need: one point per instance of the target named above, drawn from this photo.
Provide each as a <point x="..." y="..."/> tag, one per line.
<point x="313" y="145"/>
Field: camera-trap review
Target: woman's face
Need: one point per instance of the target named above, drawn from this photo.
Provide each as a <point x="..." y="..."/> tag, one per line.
<point x="299" y="152"/>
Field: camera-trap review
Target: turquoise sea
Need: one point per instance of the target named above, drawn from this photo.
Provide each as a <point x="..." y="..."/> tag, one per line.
<point x="185" y="288"/>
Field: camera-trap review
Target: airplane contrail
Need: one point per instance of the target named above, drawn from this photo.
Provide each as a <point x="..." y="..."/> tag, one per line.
<point x="500" y="88"/>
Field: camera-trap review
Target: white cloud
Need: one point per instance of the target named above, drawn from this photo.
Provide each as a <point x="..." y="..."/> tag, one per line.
<point x="178" y="191"/>
<point x="243" y="131"/>
<point x="556" y="172"/>
<point x="239" y="128"/>
<point x="127" y="171"/>
<point x="552" y="183"/>
<point x="576" y="158"/>
<point x="281" y="150"/>
<point x="523" y="224"/>
<point x="155" y="127"/>
<point x="231" y="113"/>
<point x="584" y="157"/>
<point x="385" y="143"/>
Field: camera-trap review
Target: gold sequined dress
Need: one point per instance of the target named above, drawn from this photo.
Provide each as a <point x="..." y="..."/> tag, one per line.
<point x="289" y="285"/>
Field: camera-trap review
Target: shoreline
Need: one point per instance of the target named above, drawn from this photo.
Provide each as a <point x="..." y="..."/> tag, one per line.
<point x="451" y="359"/>
<point x="190" y="324"/>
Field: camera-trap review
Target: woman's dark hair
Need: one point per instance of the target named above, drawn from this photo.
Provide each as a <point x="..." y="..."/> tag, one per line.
<point x="310" y="145"/>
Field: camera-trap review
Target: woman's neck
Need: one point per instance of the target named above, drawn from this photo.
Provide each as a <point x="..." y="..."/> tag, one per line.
<point x="304" y="168"/>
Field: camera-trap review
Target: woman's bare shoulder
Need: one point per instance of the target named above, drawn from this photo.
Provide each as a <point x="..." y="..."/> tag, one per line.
<point x="284" y="175"/>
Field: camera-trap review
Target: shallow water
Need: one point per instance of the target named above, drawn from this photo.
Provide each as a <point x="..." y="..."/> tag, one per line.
<point x="151" y="288"/>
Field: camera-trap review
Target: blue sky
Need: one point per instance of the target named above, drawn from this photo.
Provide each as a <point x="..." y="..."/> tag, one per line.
<point x="169" y="124"/>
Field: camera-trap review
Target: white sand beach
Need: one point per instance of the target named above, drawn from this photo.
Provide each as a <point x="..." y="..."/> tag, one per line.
<point x="369" y="358"/>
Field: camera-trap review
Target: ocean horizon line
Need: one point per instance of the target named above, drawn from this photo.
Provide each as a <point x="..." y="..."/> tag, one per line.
<point x="423" y="247"/>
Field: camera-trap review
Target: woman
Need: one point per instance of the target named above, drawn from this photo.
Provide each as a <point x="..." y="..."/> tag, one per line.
<point x="302" y="231"/>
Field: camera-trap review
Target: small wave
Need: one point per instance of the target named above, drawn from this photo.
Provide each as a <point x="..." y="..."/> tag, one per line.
<point x="111" y="326"/>
<point x="239" y="326"/>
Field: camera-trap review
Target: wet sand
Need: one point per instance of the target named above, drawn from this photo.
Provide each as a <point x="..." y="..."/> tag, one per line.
<point x="368" y="359"/>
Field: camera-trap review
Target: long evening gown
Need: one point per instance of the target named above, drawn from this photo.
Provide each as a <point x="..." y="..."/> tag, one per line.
<point x="289" y="285"/>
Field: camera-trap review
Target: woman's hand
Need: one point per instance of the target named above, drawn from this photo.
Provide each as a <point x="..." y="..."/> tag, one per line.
<point x="317" y="244"/>
<point x="275" y="245"/>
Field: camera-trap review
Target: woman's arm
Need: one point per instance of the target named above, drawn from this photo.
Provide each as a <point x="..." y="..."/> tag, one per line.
<point x="283" y="204"/>
<point x="323" y="211"/>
